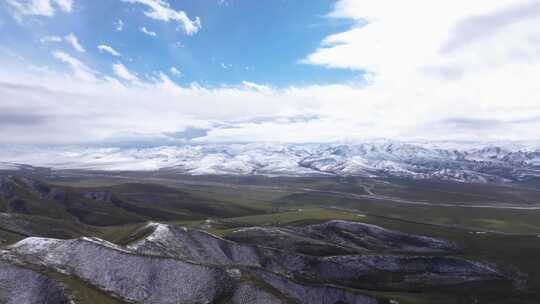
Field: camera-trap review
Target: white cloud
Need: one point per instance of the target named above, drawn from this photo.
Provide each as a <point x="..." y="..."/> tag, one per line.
<point x="119" y="25"/>
<point x="255" y="86"/>
<point x="80" y="70"/>
<point x="108" y="49"/>
<point x="432" y="61"/>
<point x="225" y="65"/>
<point x="45" y="8"/>
<point x="74" y="42"/>
<point x="71" y="39"/>
<point x="102" y="109"/>
<point x="147" y="32"/>
<point x="48" y="39"/>
<point x="65" y="5"/>
<point x="161" y="10"/>
<point x="175" y="71"/>
<point x="121" y="71"/>
<point x="436" y="70"/>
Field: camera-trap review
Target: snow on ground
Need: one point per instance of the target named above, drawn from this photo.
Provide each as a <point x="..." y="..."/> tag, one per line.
<point x="416" y="160"/>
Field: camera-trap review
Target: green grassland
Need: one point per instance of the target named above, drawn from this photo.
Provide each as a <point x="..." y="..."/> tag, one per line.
<point x="505" y="237"/>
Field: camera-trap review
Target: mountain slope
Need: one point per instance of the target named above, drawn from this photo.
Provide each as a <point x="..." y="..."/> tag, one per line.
<point x="361" y="271"/>
<point x="351" y="237"/>
<point x="21" y="285"/>
<point x="151" y="279"/>
<point x="448" y="161"/>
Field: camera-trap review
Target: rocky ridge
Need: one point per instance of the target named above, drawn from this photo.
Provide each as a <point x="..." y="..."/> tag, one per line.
<point x="165" y="264"/>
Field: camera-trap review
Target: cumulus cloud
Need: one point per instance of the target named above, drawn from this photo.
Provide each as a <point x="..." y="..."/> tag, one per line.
<point x="423" y="77"/>
<point x="45" y="8"/>
<point x="74" y="42"/>
<point x="147" y="32"/>
<point x="121" y="71"/>
<point x="161" y="10"/>
<point x="108" y="49"/>
<point x="393" y="38"/>
<point x="175" y="71"/>
<point x="458" y="59"/>
<point x="69" y="108"/>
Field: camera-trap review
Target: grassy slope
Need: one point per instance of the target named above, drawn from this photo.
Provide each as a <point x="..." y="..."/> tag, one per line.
<point x="282" y="204"/>
<point x="501" y="220"/>
<point x="510" y="253"/>
<point x="82" y="292"/>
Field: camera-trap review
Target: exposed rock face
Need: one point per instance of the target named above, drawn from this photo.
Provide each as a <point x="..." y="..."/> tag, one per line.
<point x="19" y="285"/>
<point x="341" y="236"/>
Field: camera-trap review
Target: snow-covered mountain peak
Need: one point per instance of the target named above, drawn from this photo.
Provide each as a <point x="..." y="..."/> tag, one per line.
<point x="453" y="161"/>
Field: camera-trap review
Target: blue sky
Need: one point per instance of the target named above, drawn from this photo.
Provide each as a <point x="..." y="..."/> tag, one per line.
<point x="273" y="71"/>
<point x="263" y="41"/>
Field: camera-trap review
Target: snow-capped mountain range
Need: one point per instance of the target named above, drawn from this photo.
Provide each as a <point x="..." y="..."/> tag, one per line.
<point x="473" y="162"/>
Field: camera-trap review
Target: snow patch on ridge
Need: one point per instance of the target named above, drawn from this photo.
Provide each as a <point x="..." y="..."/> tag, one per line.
<point x="37" y="245"/>
<point x="471" y="162"/>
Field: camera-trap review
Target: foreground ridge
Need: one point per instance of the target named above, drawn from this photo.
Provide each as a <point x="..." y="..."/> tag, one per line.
<point x="167" y="264"/>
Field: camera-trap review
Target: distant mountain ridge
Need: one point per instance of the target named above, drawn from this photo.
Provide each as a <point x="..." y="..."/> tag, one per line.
<point x="471" y="162"/>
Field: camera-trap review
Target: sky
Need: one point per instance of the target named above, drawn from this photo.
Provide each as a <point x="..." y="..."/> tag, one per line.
<point x="160" y="72"/>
